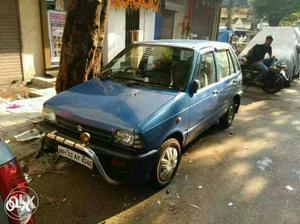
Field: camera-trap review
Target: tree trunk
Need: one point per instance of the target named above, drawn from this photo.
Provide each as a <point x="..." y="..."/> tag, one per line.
<point x="274" y="21"/>
<point x="82" y="42"/>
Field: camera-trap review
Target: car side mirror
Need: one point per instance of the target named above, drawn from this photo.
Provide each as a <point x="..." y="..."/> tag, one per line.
<point x="195" y="85"/>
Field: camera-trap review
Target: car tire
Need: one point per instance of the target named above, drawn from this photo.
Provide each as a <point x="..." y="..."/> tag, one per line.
<point x="167" y="164"/>
<point x="227" y="119"/>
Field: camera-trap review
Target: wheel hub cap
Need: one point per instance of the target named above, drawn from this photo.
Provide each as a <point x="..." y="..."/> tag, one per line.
<point x="167" y="164"/>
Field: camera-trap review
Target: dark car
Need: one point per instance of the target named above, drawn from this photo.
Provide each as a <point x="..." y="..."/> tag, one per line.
<point x="151" y="100"/>
<point x="11" y="179"/>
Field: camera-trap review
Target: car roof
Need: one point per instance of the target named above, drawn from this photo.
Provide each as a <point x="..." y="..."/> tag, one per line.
<point x="184" y="43"/>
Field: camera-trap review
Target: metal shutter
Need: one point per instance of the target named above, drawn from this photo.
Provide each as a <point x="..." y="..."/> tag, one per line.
<point x="10" y="57"/>
<point x="167" y="24"/>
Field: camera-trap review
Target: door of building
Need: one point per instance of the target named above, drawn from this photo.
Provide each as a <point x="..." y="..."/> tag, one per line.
<point x="10" y="47"/>
<point x="132" y="23"/>
<point x="167" y="24"/>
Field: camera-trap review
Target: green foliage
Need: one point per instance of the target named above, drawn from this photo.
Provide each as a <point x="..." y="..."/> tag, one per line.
<point x="275" y="10"/>
<point x="291" y="20"/>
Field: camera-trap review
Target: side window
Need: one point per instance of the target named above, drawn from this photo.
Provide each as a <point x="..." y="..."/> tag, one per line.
<point x="235" y="62"/>
<point x="207" y="70"/>
<point x="223" y="64"/>
<point x="231" y="68"/>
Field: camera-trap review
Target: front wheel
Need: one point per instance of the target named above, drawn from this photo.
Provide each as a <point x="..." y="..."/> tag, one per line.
<point x="227" y="119"/>
<point x="165" y="168"/>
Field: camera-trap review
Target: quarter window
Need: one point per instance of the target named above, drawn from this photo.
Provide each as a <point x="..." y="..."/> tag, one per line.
<point x="207" y="71"/>
<point x="231" y="68"/>
<point x="235" y="62"/>
<point x="223" y="64"/>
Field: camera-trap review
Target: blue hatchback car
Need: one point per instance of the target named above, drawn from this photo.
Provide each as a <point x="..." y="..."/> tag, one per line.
<point x="152" y="100"/>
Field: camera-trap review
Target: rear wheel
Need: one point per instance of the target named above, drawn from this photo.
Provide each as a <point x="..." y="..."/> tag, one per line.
<point x="167" y="164"/>
<point x="273" y="83"/>
<point x="227" y="119"/>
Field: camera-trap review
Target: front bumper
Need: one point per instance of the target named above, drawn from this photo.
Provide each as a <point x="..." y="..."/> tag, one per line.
<point x="113" y="165"/>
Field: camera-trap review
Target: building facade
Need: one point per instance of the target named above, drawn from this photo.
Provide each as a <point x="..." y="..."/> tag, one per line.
<point x="31" y="31"/>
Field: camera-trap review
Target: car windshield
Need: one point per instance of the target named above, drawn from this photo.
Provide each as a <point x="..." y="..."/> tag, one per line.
<point x="153" y="66"/>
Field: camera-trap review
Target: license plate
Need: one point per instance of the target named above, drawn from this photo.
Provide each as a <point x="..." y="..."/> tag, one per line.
<point x="75" y="156"/>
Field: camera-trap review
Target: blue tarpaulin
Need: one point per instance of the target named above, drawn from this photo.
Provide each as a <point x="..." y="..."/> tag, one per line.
<point x="225" y="35"/>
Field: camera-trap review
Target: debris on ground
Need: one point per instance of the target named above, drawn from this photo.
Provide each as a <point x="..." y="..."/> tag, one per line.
<point x="195" y="206"/>
<point x="7" y="141"/>
<point x="42" y="164"/>
<point x="297" y="172"/>
<point x="264" y="164"/>
<point x="200" y="187"/>
<point x="27" y="178"/>
<point x="49" y="200"/>
<point x="13" y="106"/>
<point x="64" y="164"/>
<point x="178" y="196"/>
<point x="172" y="208"/>
<point x="158" y="202"/>
<point x="28" y="135"/>
<point x="190" y="161"/>
<point x="16" y="91"/>
<point x="23" y="165"/>
<point x="230" y="204"/>
<point x="64" y="200"/>
<point x="186" y="177"/>
<point x="289" y="188"/>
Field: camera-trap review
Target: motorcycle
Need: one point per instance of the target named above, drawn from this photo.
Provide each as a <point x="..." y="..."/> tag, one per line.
<point x="273" y="82"/>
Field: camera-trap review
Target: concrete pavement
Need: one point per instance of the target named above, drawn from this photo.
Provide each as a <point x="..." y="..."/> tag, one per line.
<point x="19" y="116"/>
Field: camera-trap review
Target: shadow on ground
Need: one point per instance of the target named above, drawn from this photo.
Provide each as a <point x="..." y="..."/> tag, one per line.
<point x="218" y="180"/>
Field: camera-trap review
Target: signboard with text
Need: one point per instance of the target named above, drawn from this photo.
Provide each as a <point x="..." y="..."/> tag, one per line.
<point x="56" y="23"/>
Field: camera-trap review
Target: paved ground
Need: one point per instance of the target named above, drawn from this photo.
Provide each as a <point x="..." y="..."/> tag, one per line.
<point x="219" y="180"/>
<point x="19" y="116"/>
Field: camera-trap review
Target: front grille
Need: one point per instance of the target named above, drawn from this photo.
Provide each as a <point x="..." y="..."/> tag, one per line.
<point x="97" y="134"/>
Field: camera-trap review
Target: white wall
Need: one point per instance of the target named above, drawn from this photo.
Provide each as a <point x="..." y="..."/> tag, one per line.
<point x="147" y="24"/>
<point x="116" y="31"/>
<point x="115" y="35"/>
<point x="32" y="47"/>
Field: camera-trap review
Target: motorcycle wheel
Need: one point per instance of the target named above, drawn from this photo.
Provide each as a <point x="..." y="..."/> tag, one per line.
<point x="273" y="83"/>
<point x="288" y="83"/>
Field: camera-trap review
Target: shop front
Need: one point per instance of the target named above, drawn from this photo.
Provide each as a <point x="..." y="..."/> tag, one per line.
<point x="204" y="16"/>
<point x="171" y="20"/>
<point x="21" y="54"/>
<point x="126" y="23"/>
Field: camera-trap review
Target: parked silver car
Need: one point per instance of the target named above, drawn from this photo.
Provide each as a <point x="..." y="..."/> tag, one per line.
<point x="286" y="47"/>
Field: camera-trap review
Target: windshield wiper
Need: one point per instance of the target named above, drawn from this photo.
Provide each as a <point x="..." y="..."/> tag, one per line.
<point x="106" y="74"/>
<point x="135" y="83"/>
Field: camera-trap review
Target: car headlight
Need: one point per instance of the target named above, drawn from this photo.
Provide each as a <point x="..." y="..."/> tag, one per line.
<point x="128" y="139"/>
<point x="49" y="114"/>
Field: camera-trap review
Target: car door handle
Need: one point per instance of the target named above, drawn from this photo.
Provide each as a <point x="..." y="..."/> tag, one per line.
<point x="215" y="92"/>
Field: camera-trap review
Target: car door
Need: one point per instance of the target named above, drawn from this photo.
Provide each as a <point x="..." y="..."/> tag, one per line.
<point x="228" y="82"/>
<point x="203" y="103"/>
